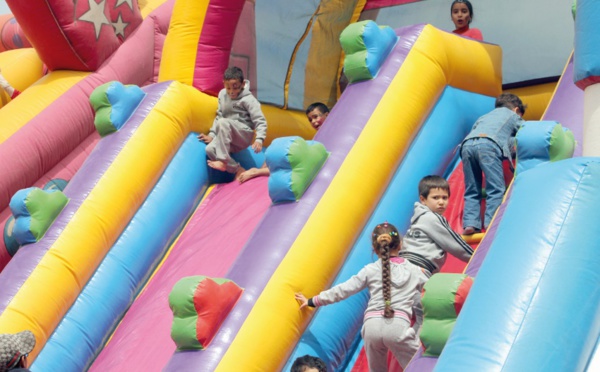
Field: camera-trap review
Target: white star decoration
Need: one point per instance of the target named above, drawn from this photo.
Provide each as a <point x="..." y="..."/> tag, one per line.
<point x="129" y="2"/>
<point x="96" y="16"/>
<point x="120" y="26"/>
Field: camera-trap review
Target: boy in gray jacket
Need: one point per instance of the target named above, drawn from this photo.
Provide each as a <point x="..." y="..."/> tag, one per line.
<point x="238" y="116"/>
<point x="429" y="236"/>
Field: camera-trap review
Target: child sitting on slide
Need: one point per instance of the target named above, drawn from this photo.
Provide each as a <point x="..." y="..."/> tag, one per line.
<point x="238" y="116"/>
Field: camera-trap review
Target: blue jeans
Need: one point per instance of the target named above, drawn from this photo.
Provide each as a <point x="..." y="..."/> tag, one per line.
<point x="482" y="155"/>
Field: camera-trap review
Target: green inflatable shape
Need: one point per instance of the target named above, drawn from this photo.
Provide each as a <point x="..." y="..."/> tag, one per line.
<point x="102" y="107"/>
<point x="562" y="144"/>
<point x="199" y="305"/>
<point x="306" y="159"/>
<point x="185" y="317"/>
<point x="43" y="207"/>
<point x="355" y="61"/>
<point x="366" y="45"/>
<point x="439" y="311"/>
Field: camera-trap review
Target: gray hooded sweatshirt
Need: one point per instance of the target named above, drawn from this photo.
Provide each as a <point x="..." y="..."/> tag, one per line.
<point x="245" y="109"/>
<point x="407" y="283"/>
<point x="429" y="238"/>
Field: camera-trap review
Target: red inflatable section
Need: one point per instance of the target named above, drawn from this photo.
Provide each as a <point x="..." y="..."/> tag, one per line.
<point x="76" y="34"/>
<point x="214" y="40"/>
<point x="213" y="302"/>
<point x="11" y="34"/>
<point x="461" y="294"/>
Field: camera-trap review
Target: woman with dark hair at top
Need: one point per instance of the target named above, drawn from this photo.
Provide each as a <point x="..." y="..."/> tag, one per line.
<point x="461" y="12"/>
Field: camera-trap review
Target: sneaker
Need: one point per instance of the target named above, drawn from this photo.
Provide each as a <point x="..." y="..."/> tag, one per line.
<point x="470" y="230"/>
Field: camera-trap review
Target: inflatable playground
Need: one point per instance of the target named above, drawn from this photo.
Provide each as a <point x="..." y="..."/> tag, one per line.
<point x="122" y="250"/>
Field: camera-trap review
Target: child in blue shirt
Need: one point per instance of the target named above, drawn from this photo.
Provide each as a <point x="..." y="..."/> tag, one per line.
<point x="491" y="140"/>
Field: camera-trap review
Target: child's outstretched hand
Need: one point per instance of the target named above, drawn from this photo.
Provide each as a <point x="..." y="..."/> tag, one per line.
<point x="384" y="238"/>
<point x="257" y="146"/>
<point x="205" y="138"/>
<point x="302" y="299"/>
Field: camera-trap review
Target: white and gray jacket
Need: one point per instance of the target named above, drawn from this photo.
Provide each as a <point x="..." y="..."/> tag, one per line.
<point x="407" y="284"/>
<point x="244" y="109"/>
<point x="429" y="238"/>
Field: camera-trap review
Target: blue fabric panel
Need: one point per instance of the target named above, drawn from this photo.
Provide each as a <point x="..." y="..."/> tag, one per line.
<point x="379" y="41"/>
<point x="533" y="144"/>
<point x="280" y="180"/>
<point x="18" y="202"/>
<point x="587" y="39"/>
<point x="125" y="269"/>
<point x="431" y="152"/>
<point x="22" y="227"/>
<point x="123" y="101"/>
<point x="535" y="303"/>
<point x="22" y="231"/>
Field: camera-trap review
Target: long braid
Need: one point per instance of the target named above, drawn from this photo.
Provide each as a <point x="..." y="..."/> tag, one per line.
<point x="383" y="251"/>
<point x="386" y="280"/>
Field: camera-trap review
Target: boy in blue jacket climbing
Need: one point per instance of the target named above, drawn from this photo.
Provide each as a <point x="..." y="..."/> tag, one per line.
<point x="491" y="140"/>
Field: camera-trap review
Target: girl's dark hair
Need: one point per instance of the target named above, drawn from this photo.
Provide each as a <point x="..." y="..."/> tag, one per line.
<point x="467" y="3"/>
<point x="383" y="251"/>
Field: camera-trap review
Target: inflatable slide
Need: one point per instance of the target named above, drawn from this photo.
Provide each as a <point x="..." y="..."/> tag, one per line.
<point x="143" y="212"/>
<point x="297" y="233"/>
<point x="549" y="267"/>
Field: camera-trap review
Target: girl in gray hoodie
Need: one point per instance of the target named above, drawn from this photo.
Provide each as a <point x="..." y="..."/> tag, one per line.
<point x="394" y="287"/>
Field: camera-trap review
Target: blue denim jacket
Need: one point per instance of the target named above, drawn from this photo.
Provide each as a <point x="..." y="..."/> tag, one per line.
<point x="500" y="125"/>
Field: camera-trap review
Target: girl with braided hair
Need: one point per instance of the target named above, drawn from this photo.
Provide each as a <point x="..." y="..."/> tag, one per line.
<point x="394" y="286"/>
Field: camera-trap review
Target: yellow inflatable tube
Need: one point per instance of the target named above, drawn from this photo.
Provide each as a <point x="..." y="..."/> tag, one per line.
<point x="181" y="45"/>
<point x="21" y="68"/>
<point x="317" y="254"/>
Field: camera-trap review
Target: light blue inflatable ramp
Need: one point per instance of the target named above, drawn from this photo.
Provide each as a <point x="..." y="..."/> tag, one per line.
<point x="535" y="304"/>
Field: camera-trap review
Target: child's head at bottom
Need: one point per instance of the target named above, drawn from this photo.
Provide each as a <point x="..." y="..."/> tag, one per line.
<point x="308" y="363"/>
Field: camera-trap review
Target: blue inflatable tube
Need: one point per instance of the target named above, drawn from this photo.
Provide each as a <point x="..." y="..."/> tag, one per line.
<point x="535" y="303"/>
<point x="431" y="152"/>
